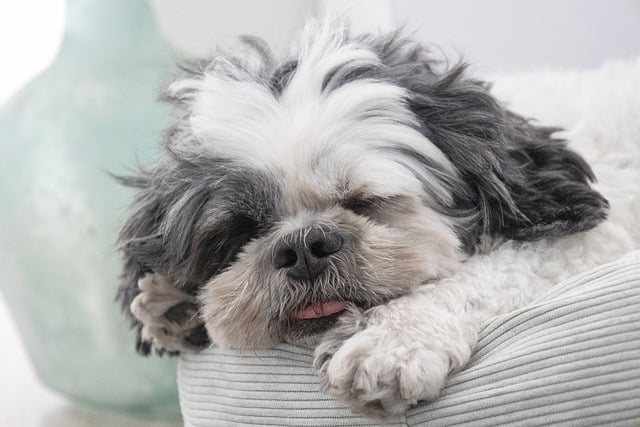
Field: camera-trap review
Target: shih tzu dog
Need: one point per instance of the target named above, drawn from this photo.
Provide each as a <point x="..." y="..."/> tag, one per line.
<point x="348" y="196"/>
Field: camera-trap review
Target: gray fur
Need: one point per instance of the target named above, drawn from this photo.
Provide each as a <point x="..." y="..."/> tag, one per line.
<point x="190" y="218"/>
<point x="519" y="181"/>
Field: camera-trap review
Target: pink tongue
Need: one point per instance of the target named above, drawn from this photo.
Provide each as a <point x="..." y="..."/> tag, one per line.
<point x="322" y="309"/>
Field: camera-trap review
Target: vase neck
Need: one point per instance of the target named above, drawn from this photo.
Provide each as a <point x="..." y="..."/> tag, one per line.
<point x="107" y="27"/>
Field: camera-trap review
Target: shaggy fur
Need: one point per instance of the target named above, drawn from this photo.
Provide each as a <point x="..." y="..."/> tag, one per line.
<point x="413" y="166"/>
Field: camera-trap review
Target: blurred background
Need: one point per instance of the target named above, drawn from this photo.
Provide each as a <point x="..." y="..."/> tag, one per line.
<point x="494" y="35"/>
<point x="80" y="76"/>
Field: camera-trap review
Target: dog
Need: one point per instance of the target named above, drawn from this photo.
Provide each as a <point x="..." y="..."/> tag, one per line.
<point x="359" y="196"/>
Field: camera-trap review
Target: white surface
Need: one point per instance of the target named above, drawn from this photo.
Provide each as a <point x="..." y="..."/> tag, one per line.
<point x="25" y="402"/>
<point x="507" y="35"/>
<point x="365" y="15"/>
<point x="196" y="27"/>
<point x="28" y="41"/>
<point x="495" y="35"/>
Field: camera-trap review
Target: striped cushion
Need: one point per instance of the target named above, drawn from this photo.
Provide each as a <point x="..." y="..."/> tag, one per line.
<point x="571" y="358"/>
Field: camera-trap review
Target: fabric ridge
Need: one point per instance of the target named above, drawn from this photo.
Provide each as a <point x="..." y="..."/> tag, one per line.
<point x="570" y="358"/>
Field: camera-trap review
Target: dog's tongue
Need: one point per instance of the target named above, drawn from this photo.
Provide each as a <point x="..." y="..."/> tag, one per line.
<point x="321" y="309"/>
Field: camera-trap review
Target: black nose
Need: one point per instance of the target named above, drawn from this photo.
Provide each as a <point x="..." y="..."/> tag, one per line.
<point x="304" y="254"/>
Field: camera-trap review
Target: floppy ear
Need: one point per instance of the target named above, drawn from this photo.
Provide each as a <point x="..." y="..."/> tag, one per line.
<point x="549" y="184"/>
<point x="162" y="310"/>
<point x="518" y="180"/>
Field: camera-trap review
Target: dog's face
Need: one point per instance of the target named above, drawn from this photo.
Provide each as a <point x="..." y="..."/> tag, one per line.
<point x="346" y="173"/>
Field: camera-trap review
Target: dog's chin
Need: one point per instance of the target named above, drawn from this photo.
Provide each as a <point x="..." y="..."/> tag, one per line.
<point x="307" y="329"/>
<point x="307" y="333"/>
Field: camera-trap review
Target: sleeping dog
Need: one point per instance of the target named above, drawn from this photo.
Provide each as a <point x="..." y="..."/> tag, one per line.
<point x="361" y="197"/>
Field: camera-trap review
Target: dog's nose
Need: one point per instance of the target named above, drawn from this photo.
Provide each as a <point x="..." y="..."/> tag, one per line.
<point x="305" y="254"/>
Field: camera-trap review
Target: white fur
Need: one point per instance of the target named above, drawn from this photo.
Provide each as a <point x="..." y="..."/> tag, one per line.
<point x="308" y="137"/>
<point x="411" y="344"/>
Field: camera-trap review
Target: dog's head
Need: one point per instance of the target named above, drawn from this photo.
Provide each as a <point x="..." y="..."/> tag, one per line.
<point x="344" y="173"/>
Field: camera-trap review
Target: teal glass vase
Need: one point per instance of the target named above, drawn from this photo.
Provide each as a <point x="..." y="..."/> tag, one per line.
<point x="89" y="114"/>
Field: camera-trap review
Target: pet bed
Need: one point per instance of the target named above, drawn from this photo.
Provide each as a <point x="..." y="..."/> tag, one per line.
<point x="572" y="357"/>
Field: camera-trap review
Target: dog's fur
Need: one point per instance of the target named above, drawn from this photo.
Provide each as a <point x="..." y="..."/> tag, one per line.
<point x="415" y="165"/>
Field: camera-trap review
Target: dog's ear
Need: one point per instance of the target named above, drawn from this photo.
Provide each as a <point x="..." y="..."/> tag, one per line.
<point x="163" y="318"/>
<point x="518" y="180"/>
<point x="549" y="184"/>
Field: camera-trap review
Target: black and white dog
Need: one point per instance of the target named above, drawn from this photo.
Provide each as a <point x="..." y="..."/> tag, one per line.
<point x="334" y="197"/>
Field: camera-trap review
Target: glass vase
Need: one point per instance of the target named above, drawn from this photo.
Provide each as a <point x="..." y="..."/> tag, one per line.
<point x="90" y="113"/>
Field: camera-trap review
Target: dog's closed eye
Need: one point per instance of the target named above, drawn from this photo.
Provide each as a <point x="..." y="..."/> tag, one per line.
<point x="371" y="205"/>
<point x="359" y="205"/>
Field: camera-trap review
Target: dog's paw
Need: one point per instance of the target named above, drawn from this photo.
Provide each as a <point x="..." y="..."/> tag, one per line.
<point x="381" y="370"/>
<point x="349" y="324"/>
<point x="168" y="315"/>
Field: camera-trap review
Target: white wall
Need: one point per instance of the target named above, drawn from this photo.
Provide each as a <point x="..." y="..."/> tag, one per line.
<point x="494" y="35"/>
<point x="509" y="35"/>
<point x="28" y="40"/>
<point x="195" y="27"/>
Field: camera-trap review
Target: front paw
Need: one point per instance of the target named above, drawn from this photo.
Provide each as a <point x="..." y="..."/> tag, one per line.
<point x="168" y="316"/>
<point x="381" y="370"/>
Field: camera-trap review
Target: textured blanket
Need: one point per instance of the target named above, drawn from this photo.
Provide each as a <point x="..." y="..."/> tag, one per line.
<point x="570" y="358"/>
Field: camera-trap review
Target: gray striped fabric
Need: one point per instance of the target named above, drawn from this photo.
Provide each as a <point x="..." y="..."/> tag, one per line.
<point x="571" y="358"/>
